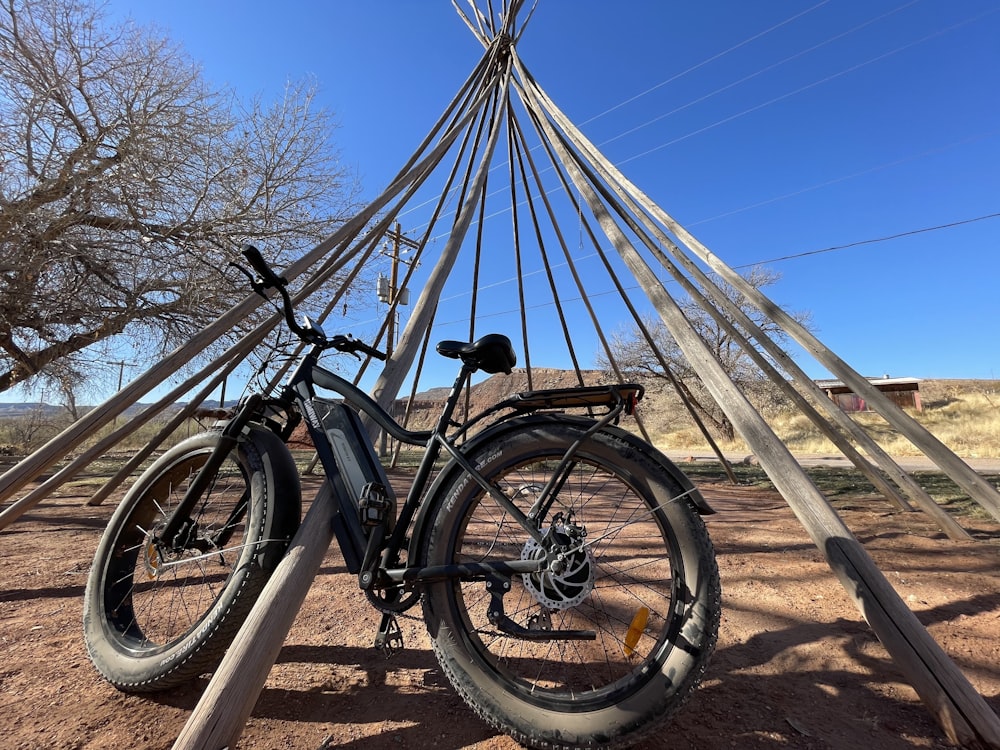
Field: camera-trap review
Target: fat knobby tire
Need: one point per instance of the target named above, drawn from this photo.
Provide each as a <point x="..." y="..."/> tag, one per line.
<point x="640" y="573"/>
<point x="160" y="643"/>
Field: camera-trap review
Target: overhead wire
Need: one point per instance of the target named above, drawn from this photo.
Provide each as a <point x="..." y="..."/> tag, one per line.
<point x="774" y="100"/>
<point x="778" y="259"/>
<point x="705" y="62"/>
<point x="755" y="74"/>
<point x="714" y="57"/>
<point x="771" y="101"/>
<point x="807" y="87"/>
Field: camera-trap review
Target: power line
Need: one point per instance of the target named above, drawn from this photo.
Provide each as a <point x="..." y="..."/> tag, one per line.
<point x="793" y="256"/>
<point x="872" y="241"/>
<point x="853" y="175"/>
<point x="749" y="77"/>
<point x="774" y="100"/>
<point x="800" y="89"/>
<point x="701" y="64"/>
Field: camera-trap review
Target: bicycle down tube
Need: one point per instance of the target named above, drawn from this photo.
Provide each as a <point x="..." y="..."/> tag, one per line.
<point x="349" y="534"/>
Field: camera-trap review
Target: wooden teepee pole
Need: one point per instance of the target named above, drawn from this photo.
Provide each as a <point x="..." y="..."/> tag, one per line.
<point x="618" y="184"/>
<point x="959" y="709"/>
<point x="979" y="489"/>
<point x="222" y="712"/>
<point x="389" y="381"/>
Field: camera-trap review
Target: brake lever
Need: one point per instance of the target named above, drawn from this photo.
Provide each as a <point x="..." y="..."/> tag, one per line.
<point x="256" y="282"/>
<point x="347" y="344"/>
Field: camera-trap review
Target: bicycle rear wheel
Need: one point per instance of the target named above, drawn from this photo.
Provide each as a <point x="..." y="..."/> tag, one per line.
<point x="157" y="614"/>
<point x="638" y="575"/>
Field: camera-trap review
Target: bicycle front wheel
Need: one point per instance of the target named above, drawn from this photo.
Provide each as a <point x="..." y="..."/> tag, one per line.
<point x="159" y="612"/>
<point x="602" y="647"/>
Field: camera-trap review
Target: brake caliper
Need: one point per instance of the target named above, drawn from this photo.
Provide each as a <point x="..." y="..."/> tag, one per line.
<point x="568" y="578"/>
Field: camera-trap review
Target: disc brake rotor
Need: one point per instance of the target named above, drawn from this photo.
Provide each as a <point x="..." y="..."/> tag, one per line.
<point x="571" y="581"/>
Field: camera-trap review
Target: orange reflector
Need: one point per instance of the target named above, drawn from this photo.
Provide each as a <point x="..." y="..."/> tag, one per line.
<point x="635" y="629"/>
<point x="152" y="561"/>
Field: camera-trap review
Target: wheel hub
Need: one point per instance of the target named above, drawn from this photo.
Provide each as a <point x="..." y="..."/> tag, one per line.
<point x="569" y="577"/>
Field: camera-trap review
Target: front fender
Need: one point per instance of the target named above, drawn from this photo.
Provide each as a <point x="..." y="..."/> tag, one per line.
<point x="280" y="478"/>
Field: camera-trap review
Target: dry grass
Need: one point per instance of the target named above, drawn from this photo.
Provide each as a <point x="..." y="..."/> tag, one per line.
<point x="963" y="414"/>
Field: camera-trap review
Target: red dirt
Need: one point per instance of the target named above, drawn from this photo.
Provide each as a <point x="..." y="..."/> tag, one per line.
<point x="796" y="666"/>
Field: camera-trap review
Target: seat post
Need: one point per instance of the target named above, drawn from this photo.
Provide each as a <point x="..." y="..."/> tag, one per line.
<point x="452" y="401"/>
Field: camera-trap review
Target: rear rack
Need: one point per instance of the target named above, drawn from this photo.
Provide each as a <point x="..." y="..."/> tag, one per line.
<point x="619" y="397"/>
<point x="610" y="396"/>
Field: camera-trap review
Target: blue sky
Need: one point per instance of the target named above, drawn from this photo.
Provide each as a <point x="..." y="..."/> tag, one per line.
<point x="770" y="130"/>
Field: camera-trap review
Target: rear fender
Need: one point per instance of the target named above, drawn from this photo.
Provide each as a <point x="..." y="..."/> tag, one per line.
<point x="451" y="471"/>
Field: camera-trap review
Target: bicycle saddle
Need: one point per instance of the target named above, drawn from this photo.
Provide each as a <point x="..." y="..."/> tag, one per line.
<point x="492" y="353"/>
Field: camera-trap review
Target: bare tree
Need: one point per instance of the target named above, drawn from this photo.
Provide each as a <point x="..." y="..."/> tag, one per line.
<point x="126" y="183"/>
<point x="634" y="355"/>
<point x="27" y="430"/>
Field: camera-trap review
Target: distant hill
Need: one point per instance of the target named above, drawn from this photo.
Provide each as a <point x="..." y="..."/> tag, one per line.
<point x="427" y="405"/>
<point x="498" y="387"/>
<point x="10" y="409"/>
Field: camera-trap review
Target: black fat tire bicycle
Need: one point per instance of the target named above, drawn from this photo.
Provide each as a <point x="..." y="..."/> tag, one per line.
<point x="566" y="576"/>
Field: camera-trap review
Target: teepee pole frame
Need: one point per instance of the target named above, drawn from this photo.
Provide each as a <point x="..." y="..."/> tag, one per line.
<point x="721" y="302"/>
<point x="960" y="710"/>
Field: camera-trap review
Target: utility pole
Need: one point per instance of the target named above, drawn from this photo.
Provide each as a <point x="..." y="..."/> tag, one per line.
<point x="121" y="377"/>
<point x="389" y="292"/>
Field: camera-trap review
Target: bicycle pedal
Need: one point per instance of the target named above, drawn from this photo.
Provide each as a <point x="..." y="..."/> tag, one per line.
<point x="389" y="639"/>
<point x="374" y="505"/>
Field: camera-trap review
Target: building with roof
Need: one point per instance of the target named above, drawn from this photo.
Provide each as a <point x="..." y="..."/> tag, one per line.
<point x="904" y="392"/>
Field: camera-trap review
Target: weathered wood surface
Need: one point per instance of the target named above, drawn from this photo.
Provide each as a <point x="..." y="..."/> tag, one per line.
<point x="222" y="712"/>
<point x="962" y="713"/>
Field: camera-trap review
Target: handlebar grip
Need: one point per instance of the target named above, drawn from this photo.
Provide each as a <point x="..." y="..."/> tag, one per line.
<point x="257" y="262"/>
<point x="348" y="344"/>
<point x="374" y="352"/>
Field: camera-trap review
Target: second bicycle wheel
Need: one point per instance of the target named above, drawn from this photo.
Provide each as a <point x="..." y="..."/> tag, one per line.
<point x="604" y="644"/>
<point x="158" y="612"/>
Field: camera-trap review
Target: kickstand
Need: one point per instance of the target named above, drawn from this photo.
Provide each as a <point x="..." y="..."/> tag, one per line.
<point x="389" y="638"/>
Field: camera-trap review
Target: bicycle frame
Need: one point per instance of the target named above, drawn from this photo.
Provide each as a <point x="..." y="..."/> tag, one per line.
<point x="368" y="530"/>
<point x="370" y="554"/>
<point x="357" y="545"/>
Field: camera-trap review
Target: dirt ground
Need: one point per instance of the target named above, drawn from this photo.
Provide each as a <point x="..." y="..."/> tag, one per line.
<point x="796" y="666"/>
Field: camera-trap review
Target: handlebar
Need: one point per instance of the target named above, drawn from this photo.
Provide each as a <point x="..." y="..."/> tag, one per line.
<point x="347" y="343"/>
<point x="266" y="273"/>
<point x="267" y="279"/>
